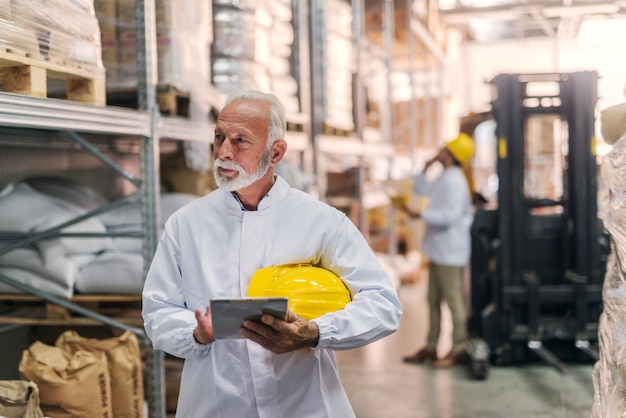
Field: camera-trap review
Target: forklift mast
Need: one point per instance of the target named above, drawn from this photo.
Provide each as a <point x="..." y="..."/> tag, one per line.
<point x="538" y="259"/>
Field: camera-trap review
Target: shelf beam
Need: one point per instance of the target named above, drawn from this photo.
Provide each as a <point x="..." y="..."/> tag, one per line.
<point x="57" y="114"/>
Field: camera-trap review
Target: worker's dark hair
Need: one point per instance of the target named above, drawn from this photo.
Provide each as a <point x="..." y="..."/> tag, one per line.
<point x="454" y="160"/>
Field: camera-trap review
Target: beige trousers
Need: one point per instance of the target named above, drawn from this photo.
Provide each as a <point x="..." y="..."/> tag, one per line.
<point x="445" y="284"/>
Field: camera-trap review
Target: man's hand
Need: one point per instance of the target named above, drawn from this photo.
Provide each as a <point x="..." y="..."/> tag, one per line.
<point x="280" y="336"/>
<point x="412" y="213"/>
<point x="203" y="333"/>
<point x="431" y="162"/>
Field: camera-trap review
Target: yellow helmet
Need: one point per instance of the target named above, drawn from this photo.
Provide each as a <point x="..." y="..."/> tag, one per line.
<point x="461" y="148"/>
<point x="312" y="291"/>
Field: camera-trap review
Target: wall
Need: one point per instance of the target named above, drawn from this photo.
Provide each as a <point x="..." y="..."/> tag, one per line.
<point x="482" y="62"/>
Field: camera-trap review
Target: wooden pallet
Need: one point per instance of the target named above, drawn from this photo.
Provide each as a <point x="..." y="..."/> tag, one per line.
<point x="171" y="100"/>
<point x="295" y="127"/>
<point x="334" y="131"/>
<point x="33" y="310"/>
<point x="27" y="74"/>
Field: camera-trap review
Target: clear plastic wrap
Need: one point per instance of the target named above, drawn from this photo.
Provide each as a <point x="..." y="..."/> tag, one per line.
<point x="183" y="30"/>
<point x="337" y="61"/>
<point x="609" y="377"/>
<point x="64" y="32"/>
<point x="253" y="49"/>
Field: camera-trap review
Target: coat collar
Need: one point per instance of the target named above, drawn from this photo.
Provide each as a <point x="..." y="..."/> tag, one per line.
<point x="276" y="193"/>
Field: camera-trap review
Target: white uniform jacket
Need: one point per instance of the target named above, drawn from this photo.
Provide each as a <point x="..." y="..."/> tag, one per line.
<point x="210" y="249"/>
<point x="448" y="217"/>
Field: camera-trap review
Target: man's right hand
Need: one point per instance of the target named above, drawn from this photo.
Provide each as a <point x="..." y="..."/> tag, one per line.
<point x="203" y="333"/>
<point x="431" y="162"/>
<point x="281" y="336"/>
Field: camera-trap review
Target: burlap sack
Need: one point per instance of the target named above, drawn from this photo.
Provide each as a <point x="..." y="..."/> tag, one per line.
<point x="124" y="361"/>
<point x="19" y="399"/>
<point x="70" y="386"/>
<point x="613" y="121"/>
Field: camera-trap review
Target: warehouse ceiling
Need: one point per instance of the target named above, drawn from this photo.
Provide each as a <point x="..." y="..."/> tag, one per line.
<point x="486" y="21"/>
<point x="495" y="20"/>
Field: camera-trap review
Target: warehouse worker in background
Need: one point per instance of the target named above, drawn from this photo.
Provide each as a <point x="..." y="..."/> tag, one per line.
<point x="213" y="246"/>
<point x="447" y="243"/>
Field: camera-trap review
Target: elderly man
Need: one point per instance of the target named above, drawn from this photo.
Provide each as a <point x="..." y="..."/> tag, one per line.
<point x="213" y="246"/>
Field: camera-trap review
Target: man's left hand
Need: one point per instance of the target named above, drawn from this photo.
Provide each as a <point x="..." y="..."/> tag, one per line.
<point x="412" y="214"/>
<point x="280" y="336"/>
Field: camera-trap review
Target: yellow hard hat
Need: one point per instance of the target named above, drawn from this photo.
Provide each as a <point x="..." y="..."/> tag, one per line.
<point x="461" y="148"/>
<point x="312" y="291"/>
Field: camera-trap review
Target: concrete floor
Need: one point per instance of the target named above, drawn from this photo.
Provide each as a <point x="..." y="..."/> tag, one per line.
<point x="380" y="385"/>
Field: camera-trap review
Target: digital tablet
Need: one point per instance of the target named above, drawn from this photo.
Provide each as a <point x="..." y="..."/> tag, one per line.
<point x="228" y="314"/>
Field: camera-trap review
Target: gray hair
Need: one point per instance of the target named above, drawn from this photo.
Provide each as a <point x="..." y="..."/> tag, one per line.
<point x="278" y="120"/>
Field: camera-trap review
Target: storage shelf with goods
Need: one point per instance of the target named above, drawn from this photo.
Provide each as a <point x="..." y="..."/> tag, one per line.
<point x="60" y="244"/>
<point x="57" y="245"/>
<point x="27" y="116"/>
<point x="48" y="143"/>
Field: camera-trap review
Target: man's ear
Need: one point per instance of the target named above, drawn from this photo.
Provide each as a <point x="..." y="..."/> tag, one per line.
<point x="279" y="147"/>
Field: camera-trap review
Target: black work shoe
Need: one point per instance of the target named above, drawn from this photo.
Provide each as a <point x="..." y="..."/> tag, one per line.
<point x="422" y="356"/>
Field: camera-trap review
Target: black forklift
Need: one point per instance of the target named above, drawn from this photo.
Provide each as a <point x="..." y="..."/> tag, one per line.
<point x="539" y="256"/>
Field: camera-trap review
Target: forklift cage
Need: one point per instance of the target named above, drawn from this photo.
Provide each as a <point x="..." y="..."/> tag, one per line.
<point x="538" y="262"/>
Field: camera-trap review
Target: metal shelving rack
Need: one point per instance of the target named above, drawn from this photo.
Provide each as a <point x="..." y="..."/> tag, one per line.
<point x="354" y="147"/>
<point x="148" y="127"/>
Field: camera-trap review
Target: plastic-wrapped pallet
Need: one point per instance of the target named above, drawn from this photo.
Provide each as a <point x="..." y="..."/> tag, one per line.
<point x="281" y="38"/>
<point x="234" y="32"/>
<point x="609" y="376"/>
<point x="253" y="49"/>
<point x="337" y="60"/>
<point x="183" y="30"/>
<point x="63" y="31"/>
<point x="234" y="52"/>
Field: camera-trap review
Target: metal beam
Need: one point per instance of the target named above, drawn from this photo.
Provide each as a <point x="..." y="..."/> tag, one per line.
<point x="547" y="9"/>
<point x="424" y="34"/>
<point x="543" y="23"/>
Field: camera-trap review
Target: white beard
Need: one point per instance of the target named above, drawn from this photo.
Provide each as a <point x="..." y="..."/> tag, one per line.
<point x="243" y="179"/>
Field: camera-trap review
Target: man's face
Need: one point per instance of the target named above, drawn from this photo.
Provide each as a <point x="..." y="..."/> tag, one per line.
<point x="240" y="145"/>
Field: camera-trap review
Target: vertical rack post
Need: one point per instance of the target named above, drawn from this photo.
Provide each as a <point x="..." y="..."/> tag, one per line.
<point x="146" y="91"/>
<point x="358" y="30"/>
<point x="302" y="63"/>
<point x="412" y="99"/>
<point x="387" y="118"/>
<point x="316" y="86"/>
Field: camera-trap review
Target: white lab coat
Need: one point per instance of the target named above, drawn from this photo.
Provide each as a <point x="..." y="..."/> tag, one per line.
<point x="448" y="217"/>
<point x="210" y="249"/>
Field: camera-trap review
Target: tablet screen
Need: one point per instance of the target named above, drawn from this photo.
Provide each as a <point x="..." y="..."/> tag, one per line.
<point x="228" y="314"/>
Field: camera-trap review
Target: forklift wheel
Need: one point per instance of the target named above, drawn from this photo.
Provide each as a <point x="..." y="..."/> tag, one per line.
<point x="479" y="356"/>
<point x="479" y="370"/>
